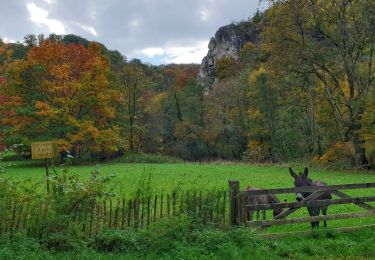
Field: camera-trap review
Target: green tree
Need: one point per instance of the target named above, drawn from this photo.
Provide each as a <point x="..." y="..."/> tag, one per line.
<point x="330" y="41"/>
<point x="134" y="84"/>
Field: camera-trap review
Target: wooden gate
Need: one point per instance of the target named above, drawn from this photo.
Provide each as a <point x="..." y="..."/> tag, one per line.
<point x="239" y="207"/>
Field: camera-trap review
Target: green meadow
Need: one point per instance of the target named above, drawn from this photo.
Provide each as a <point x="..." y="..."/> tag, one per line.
<point x="186" y="176"/>
<point x="167" y="178"/>
<point x="179" y="239"/>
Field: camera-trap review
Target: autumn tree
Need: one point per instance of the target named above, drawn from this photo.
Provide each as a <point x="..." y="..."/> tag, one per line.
<point x="368" y="126"/>
<point x="226" y="67"/>
<point x="62" y="92"/>
<point x="331" y="42"/>
<point x="134" y="84"/>
<point x="182" y="111"/>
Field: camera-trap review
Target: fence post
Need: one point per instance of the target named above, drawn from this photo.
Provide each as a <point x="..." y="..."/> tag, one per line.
<point x="234" y="191"/>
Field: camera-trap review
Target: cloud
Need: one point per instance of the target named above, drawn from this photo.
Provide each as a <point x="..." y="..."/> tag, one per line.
<point x="89" y="29"/>
<point x="191" y="54"/>
<point x="151" y="52"/>
<point x="172" y="53"/>
<point x="204" y="15"/>
<point x="48" y="1"/>
<point x="40" y="17"/>
<point x="7" y="40"/>
<point x="177" y="27"/>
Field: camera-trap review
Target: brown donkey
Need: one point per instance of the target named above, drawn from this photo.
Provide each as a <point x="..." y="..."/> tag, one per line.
<point x="260" y="199"/>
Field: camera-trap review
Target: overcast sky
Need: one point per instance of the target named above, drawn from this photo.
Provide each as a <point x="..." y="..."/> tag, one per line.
<point x="155" y="31"/>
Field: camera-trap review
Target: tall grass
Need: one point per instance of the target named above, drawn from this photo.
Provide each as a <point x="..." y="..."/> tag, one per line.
<point x="180" y="239"/>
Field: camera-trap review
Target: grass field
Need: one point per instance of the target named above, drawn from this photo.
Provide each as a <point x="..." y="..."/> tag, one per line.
<point x="168" y="177"/>
<point x="165" y="178"/>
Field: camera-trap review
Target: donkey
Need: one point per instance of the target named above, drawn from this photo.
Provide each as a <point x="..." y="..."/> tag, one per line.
<point x="261" y="199"/>
<point x="301" y="180"/>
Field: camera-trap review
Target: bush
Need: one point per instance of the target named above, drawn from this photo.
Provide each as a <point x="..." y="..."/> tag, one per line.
<point x="117" y="240"/>
<point x="343" y="152"/>
<point x="337" y="156"/>
<point x="257" y="152"/>
<point x="3" y="157"/>
<point x="20" y="247"/>
<point x="62" y="241"/>
<point x="22" y="150"/>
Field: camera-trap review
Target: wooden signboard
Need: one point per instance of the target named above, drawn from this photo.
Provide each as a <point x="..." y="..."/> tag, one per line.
<point x="43" y="150"/>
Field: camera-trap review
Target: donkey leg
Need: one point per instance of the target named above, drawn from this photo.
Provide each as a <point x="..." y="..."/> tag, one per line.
<point x="264" y="214"/>
<point x="317" y="214"/>
<point x="324" y="212"/>
<point x="313" y="212"/>
<point x="258" y="214"/>
<point x="250" y="215"/>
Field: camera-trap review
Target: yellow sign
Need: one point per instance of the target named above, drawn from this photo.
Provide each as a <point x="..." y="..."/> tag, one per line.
<point x="43" y="150"/>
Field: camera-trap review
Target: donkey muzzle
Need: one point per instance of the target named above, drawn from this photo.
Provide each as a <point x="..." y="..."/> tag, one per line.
<point x="299" y="196"/>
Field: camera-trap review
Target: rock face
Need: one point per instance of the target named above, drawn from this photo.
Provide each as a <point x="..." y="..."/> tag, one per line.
<point x="228" y="41"/>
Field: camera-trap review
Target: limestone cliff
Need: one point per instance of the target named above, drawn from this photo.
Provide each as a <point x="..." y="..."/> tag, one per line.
<point x="228" y="41"/>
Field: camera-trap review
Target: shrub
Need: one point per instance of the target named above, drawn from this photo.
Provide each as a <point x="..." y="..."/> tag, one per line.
<point x="22" y="150"/>
<point x="62" y="241"/>
<point x="342" y="151"/>
<point x="257" y="152"/>
<point x="69" y="194"/>
<point x="70" y="198"/>
<point x="20" y="247"/>
<point x="3" y="156"/>
<point x="117" y="240"/>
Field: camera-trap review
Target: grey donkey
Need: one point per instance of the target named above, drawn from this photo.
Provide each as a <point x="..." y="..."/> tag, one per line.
<point x="301" y="180"/>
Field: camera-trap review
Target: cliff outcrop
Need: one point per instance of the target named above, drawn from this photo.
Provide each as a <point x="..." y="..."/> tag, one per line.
<point x="228" y="41"/>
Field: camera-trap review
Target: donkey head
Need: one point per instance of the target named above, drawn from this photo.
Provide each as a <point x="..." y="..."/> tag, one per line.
<point x="300" y="180"/>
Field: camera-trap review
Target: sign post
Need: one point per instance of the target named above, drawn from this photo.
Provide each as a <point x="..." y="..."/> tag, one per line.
<point x="44" y="150"/>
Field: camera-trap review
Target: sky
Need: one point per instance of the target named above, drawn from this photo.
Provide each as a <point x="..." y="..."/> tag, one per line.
<point x="155" y="31"/>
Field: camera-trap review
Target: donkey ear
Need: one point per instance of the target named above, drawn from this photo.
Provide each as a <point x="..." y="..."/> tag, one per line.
<point x="305" y="172"/>
<point x="294" y="175"/>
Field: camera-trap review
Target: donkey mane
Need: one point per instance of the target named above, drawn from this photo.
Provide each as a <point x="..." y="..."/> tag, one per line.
<point x="310" y="182"/>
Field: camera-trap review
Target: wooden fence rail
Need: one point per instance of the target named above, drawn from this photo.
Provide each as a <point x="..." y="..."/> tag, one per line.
<point x="267" y="223"/>
<point x="311" y="189"/>
<point x="311" y="203"/>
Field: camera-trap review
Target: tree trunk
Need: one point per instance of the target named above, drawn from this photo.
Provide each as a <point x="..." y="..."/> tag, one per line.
<point x="178" y="108"/>
<point x="359" y="152"/>
<point x="131" y="133"/>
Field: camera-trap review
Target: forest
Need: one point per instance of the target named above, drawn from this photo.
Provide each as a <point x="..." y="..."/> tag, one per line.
<point x="305" y="90"/>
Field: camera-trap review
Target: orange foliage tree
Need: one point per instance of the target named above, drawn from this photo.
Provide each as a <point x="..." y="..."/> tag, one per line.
<point x="62" y="92"/>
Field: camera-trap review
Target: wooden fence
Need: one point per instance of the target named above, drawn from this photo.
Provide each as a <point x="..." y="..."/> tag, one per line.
<point x="221" y="208"/>
<point x="239" y="207"/>
<point x="113" y="213"/>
